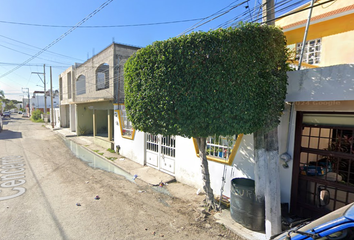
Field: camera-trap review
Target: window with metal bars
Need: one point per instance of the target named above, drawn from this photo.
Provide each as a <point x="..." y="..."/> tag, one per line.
<point x="220" y="146"/>
<point x="312" y="51"/>
<point x="126" y="125"/>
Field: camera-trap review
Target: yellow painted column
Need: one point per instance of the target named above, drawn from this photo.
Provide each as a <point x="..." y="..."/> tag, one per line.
<point x="94" y="122"/>
<point x="109" y="125"/>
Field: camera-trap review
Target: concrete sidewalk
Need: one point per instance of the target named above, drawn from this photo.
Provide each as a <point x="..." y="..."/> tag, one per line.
<point x="153" y="177"/>
<point x="147" y="174"/>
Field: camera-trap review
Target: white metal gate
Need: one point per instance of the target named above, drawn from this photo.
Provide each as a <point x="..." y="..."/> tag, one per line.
<point x="161" y="152"/>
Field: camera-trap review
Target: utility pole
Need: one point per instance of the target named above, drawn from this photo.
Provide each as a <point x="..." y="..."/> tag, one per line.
<point x="51" y="99"/>
<point x="268" y="12"/>
<point x="45" y="94"/>
<point x="267" y="141"/>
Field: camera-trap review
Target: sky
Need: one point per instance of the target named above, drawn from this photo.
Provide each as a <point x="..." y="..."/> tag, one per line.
<point x="38" y="32"/>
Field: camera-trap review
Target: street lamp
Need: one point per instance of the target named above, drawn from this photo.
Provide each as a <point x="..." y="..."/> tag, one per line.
<point x="45" y="92"/>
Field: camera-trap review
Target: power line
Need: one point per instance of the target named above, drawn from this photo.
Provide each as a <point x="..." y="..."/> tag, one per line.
<point x="40" y="48"/>
<point x="221" y="14"/>
<point x="30" y="54"/>
<point x="103" y="26"/>
<point x="59" y="38"/>
<point x="304" y="9"/>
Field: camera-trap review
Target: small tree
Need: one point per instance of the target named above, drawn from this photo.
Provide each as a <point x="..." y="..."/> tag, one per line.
<point x="36" y="116"/>
<point x="10" y="105"/>
<point x="222" y="82"/>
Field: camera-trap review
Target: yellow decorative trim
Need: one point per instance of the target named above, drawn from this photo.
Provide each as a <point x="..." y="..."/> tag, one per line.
<point x="215" y="159"/>
<point x="120" y="125"/>
<point x="294" y="62"/>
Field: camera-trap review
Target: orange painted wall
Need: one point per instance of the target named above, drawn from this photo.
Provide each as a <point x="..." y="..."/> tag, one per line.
<point x="322" y="29"/>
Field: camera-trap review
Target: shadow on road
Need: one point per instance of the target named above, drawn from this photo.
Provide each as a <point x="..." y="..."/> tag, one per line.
<point x="7" y="134"/>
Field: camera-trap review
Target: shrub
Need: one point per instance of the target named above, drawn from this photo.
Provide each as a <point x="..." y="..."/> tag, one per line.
<point x="36" y="116"/>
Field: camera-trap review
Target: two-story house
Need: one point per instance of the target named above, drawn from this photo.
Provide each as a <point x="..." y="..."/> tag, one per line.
<point x="320" y="101"/>
<point x="89" y="90"/>
<point x="315" y="133"/>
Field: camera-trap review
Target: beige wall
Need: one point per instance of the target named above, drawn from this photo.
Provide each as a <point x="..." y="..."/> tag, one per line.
<point x="64" y="79"/>
<point x="84" y="120"/>
<point x="338" y="49"/>
<point x="113" y="55"/>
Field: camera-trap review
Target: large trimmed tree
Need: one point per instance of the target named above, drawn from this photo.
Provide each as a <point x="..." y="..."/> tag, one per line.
<point x="221" y="82"/>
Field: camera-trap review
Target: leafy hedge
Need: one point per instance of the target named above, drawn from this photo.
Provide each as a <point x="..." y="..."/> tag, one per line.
<point x="36" y="116"/>
<point x="223" y="82"/>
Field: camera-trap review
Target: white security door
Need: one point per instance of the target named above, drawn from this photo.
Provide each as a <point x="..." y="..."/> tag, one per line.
<point x="161" y="152"/>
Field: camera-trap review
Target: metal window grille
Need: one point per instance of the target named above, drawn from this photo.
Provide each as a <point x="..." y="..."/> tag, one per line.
<point x="312" y="51"/>
<point x="168" y="144"/>
<point x="220" y="146"/>
<point x="127" y="127"/>
<point x="152" y="142"/>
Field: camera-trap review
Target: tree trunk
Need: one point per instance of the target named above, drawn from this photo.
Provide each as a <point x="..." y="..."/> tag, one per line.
<point x="267" y="177"/>
<point x="209" y="196"/>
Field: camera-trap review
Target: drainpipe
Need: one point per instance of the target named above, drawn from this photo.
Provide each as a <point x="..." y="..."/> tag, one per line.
<point x="305" y="35"/>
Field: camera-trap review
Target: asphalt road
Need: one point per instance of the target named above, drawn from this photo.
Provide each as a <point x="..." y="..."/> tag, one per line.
<point x="42" y="182"/>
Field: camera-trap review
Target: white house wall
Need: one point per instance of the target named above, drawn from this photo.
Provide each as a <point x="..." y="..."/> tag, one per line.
<point x="319" y="89"/>
<point x="187" y="164"/>
<point x="132" y="149"/>
<point x="242" y="167"/>
<point x="334" y="83"/>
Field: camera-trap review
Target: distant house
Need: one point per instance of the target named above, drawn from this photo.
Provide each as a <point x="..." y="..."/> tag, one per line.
<point x="37" y="100"/>
<point x="88" y="92"/>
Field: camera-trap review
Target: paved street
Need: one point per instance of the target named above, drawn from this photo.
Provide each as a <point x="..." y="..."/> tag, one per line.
<point x="42" y="183"/>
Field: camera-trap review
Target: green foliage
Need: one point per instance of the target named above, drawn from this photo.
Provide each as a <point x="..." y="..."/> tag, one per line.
<point x="36" y="116"/>
<point x="222" y="82"/>
<point x="111" y="158"/>
<point x="111" y="150"/>
<point x="9" y="105"/>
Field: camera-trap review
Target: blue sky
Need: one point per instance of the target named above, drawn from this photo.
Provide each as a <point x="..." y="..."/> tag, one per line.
<point x="18" y="41"/>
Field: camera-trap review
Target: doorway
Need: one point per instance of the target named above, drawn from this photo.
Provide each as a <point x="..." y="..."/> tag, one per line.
<point x="323" y="173"/>
<point x="161" y="152"/>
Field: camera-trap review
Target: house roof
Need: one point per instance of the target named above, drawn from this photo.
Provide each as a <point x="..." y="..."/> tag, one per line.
<point x="322" y="17"/>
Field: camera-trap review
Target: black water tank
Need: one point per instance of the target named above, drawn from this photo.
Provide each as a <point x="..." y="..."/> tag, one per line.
<point x="245" y="207"/>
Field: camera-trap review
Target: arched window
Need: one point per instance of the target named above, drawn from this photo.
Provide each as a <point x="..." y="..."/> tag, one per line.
<point x="81" y="85"/>
<point x="102" y="77"/>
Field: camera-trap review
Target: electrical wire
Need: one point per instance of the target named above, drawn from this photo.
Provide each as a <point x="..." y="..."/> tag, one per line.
<point x="59" y="38"/>
<point x="221" y="14"/>
<point x="294" y="12"/>
<point x="103" y="26"/>
<point x="31" y="54"/>
<point x="26" y="44"/>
